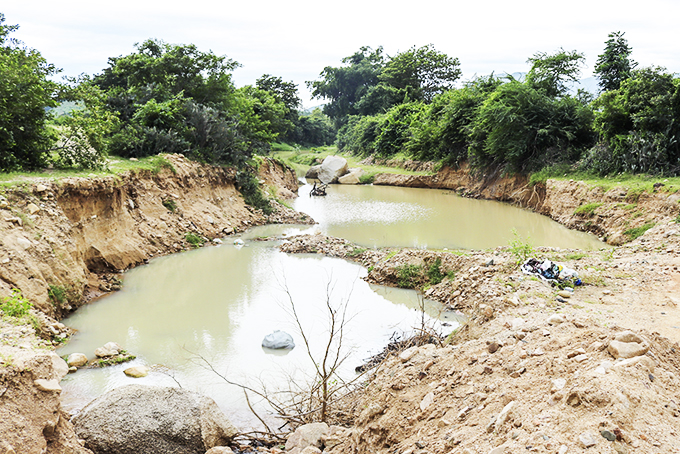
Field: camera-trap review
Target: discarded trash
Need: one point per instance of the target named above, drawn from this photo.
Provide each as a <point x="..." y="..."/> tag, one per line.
<point x="551" y="272"/>
<point x="238" y="242"/>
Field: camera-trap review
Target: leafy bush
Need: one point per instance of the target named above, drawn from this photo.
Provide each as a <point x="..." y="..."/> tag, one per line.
<point x="57" y="294"/>
<point x="434" y="272"/>
<point x="409" y="276"/>
<point x="249" y="187"/>
<point x="521" y="249"/>
<point x="15" y="305"/>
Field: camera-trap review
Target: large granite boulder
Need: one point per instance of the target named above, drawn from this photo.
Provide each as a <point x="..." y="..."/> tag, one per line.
<point x="313" y="172"/>
<point x="137" y="419"/>
<point x="351" y="177"/>
<point x="332" y="168"/>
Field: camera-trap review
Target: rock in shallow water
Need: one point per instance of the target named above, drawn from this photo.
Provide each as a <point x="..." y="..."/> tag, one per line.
<point x="278" y="340"/>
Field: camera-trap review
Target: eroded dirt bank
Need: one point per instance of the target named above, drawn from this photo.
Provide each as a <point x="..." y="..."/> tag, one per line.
<point x="531" y="371"/>
<point x="77" y="235"/>
<point x="617" y="210"/>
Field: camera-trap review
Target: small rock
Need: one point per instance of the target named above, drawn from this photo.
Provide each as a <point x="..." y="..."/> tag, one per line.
<point x="487" y="311"/>
<point x="217" y="241"/>
<point x="580" y="358"/>
<point x="40" y="188"/>
<point x="493" y="347"/>
<point x="427" y="401"/>
<point x="587" y="439"/>
<point x="626" y="349"/>
<point x="558" y="384"/>
<point x="563" y="449"/>
<point x="408" y="354"/>
<point x="556" y="319"/>
<point x="629" y="336"/>
<point x="32" y="208"/>
<point x="504" y="415"/>
<point x="25" y="243"/>
<point x="645" y="362"/>
<point x="278" y="340"/>
<point x="564" y="294"/>
<point x="220" y="450"/>
<point x="47" y="385"/>
<point x="109" y="349"/>
<point x="137" y="371"/>
<point x="608" y="435"/>
<point x="538" y="352"/>
<point x="76" y="360"/>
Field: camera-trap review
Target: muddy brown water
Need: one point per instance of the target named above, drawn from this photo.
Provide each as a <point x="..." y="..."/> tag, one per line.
<point x="217" y="303"/>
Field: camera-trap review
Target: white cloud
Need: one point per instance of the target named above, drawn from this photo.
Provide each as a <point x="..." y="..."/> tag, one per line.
<point x="296" y="39"/>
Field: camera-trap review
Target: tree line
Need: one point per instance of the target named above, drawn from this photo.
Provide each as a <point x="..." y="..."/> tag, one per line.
<point x="160" y="98"/>
<point x="176" y="98"/>
<point x="410" y="105"/>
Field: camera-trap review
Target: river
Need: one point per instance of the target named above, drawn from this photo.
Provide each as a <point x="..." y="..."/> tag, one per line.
<point x="217" y="303"/>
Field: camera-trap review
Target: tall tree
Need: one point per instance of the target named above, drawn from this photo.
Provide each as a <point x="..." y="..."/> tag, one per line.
<point x="286" y="92"/>
<point x="614" y="65"/>
<point x="421" y="72"/>
<point x="345" y="86"/>
<point x="552" y="72"/>
<point x="25" y="93"/>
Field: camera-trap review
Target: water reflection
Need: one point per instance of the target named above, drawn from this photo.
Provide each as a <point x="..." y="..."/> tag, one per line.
<point x="219" y="303"/>
<point x="378" y="216"/>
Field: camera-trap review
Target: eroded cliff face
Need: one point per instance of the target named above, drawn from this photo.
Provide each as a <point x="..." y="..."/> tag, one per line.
<point x="618" y="209"/>
<point x="78" y="233"/>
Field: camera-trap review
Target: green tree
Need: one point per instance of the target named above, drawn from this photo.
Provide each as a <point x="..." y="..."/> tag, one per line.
<point x="552" y="72"/>
<point x="344" y="86"/>
<point x="285" y="92"/>
<point x="444" y="129"/>
<point x="614" y="65"/>
<point x="421" y="73"/>
<point x="522" y="128"/>
<point x="83" y="132"/>
<point x="313" y="129"/>
<point x="638" y="125"/>
<point x="25" y="95"/>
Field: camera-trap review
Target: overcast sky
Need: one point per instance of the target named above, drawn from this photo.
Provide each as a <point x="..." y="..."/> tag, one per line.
<point x="296" y="39"/>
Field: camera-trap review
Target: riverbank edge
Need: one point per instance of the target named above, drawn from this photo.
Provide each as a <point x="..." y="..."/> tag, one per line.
<point x="615" y="216"/>
<point x="64" y="243"/>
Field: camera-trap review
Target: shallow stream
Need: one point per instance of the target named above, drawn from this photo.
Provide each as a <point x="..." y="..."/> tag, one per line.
<point x="217" y="303"/>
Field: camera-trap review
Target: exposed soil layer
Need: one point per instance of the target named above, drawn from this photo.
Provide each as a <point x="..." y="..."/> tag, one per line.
<point x="531" y="371"/>
<point x="64" y="243"/>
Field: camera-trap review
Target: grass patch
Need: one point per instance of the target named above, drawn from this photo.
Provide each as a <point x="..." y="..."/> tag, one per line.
<point x="434" y="272"/>
<point x="576" y="256"/>
<point x="638" y="231"/>
<point x="356" y="252"/>
<point x="409" y="276"/>
<point x="194" y="240"/>
<point x="634" y="184"/>
<point x="15" y="305"/>
<point x="57" y="294"/>
<point x="122" y="357"/>
<point x="170" y="205"/>
<point x="116" y="165"/>
<point x="588" y="209"/>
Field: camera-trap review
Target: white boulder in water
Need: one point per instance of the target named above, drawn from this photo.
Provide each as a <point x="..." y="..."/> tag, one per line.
<point x="278" y="340"/>
<point x="332" y="168"/>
